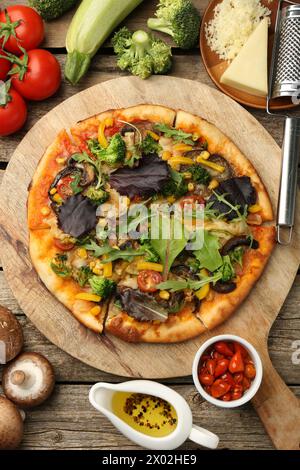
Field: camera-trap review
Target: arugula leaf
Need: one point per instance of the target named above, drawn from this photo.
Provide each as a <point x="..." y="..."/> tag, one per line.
<point x="176" y="286"/>
<point x="74" y="185"/>
<point x="236" y="255"/>
<point x="97" y="250"/>
<point x="128" y="255"/>
<point x="168" y="249"/>
<point x="209" y="255"/>
<point x="85" y="158"/>
<point x="176" y="186"/>
<point x="176" y="134"/>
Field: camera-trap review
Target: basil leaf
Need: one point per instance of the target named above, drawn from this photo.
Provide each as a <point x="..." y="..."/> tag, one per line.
<point x="209" y="255"/>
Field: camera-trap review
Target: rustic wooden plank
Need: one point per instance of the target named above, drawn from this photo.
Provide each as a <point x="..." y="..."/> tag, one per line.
<point x="105" y="68"/>
<point x="56" y="30"/>
<point x="1" y="176"/>
<point x="68" y="421"/>
<point x="285" y="331"/>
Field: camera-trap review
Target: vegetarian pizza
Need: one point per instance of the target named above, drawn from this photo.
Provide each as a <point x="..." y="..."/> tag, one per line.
<point x="100" y="249"/>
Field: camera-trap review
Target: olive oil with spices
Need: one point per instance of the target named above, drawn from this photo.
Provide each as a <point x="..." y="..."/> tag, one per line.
<point x="147" y="414"/>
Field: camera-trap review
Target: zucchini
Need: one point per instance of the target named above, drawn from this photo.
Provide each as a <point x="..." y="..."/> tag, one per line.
<point x="91" y="25"/>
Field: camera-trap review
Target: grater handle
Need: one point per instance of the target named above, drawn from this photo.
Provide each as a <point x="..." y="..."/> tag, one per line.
<point x="288" y="183"/>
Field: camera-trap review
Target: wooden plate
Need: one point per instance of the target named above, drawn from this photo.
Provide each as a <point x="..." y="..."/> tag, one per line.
<point x="216" y="67"/>
<point x="252" y="321"/>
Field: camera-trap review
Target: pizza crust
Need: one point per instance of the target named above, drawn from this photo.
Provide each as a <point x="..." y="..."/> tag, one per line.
<point x="221" y="144"/>
<point x="147" y="112"/>
<point x="214" y="312"/>
<point x="42" y="250"/>
<point x="179" y="327"/>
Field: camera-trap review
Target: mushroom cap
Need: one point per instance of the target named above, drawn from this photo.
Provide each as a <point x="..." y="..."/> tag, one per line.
<point x="28" y="380"/>
<point x="11" y="336"/>
<point x="11" y="425"/>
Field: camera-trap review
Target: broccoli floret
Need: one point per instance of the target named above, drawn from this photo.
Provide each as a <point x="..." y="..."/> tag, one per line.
<point x="59" y="265"/>
<point x="113" y="154"/>
<point x="149" y="145"/>
<point x="176" y="186"/>
<point x="82" y="275"/>
<point x="102" y="286"/>
<point x="178" y="18"/>
<point x="141" y="53"/>
<point x="51" y="9"/>
<point x="151" y="254"/>
<point x="99" y="196"/>
<point x="200" y="175"/>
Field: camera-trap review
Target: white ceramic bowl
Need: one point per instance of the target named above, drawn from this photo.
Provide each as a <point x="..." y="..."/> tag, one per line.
<point x="249" y="394"/>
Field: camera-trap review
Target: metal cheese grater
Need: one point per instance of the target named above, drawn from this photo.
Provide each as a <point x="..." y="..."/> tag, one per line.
<point x="285" y="81"/>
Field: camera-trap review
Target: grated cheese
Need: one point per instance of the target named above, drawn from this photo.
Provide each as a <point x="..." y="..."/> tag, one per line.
<point x="233" y="23"/>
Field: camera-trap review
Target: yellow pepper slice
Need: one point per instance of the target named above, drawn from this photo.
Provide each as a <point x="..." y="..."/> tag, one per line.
<point x="153" y="135"/>
<point x="87" y="296"/>
<point x="203" y="292"/>
<point x="254" y="209"/>
<point x="145" y="265"/>
<point x="180" y="161"/>
<point x="182" y="148"/>
<point x="95" y="310"/>
<point x="107" y="269"/>
<point x="108" y="122"/>
<point x="213" y="166"/>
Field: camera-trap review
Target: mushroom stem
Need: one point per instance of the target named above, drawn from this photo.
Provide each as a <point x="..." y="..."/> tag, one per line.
<point x="18" y="377"/>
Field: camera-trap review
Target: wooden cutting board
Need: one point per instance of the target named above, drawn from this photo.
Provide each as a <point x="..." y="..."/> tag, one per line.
<point x="276" y="405"/>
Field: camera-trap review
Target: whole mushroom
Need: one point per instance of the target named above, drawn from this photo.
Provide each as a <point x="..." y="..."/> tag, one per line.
<point x="11" y="425"/>
<point x="29" y="380"/>
<point x="11" y="336"/>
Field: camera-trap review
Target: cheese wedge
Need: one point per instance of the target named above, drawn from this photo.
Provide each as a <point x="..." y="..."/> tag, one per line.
<point x="248" y="72"/>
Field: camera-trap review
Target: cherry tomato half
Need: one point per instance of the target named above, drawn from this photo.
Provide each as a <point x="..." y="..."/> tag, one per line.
<point x="219" y="388"/>
<point x="206" y="379"/>
<point x="42" y="77"/>
<point x="250" y="371"/>
<point x="63" y="188"/>
<point x="12" y="115"/>
<point x="223" y="348"/>
<point x="26" y="25"/>
<point x="236" y="363"/>
<point x="221" y="367"/>
<point x="63" y="246"/>
<point x="147" y="280"/>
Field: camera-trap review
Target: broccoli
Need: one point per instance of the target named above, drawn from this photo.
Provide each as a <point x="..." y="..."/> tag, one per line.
<point x="149" y="145"/>
<point x="226" y="270"/>
<point x="178" y="18"/>
<point x="151" y="254"/>
<point x="176" y="186"/>
<point x="51" y="9"/>
<point x="141" y="53"/>
<point x="82" y="275"/>
<point x="200" y="175"/>
<point x="99" y="196"/>
<point x="113" y="154"/>
<point x="59" y="265"/>
<point x="102" y="286"/>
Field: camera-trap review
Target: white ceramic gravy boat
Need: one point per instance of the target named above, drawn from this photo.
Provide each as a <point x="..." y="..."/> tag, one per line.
<point x="100" y="397"/>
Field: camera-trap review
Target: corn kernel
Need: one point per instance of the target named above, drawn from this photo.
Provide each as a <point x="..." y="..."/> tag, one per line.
<point x="164" y="294"/>
<point x="187" y="175"/>
<point x="205" y="155"/>
<point x="171" y="199"/>
<point x="57" y="198"/>
<point x="109" y="122"/>
<point x="191" y="187"/>
<point x="95" y="311"/>
<point x="60" y="160"/>
<point x="166" y="155"/>
<point x="204" y="273"/>
<point x="87" y="296"/>
<point x="254" y="209"/>
<point x="213" y="184"/>
<point x="53" y="191"/>
<point x="195" y="137"/>
<point x="203" y="292"/>
<point x="153" y="135"/>
<point x="45" y="210"/>
<point x="82" y="253"/>
<point x="97" y="271"/>
<point x="92" y="264"/>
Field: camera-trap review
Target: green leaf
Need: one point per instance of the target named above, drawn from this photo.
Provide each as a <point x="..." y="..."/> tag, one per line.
<point x="176" y="286"/>
<point x="96" y="250"/>
<point x="209" y="255"/>
<point x="74" y="185"/>
<point x="176" y="134"/>
<point x="128" y="255"/>
<point x="168" y="249"/>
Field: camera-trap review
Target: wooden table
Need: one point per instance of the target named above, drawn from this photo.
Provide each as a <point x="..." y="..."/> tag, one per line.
<point x="67" y="421"/>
